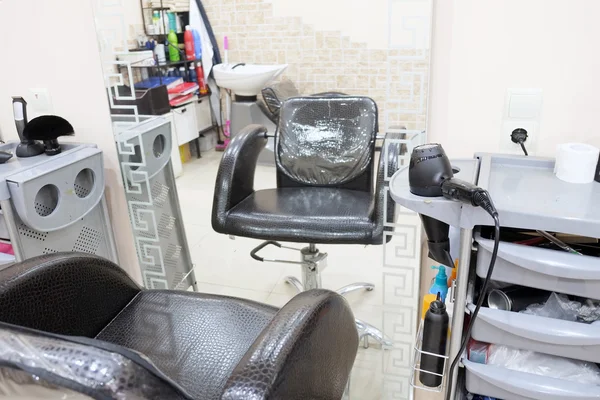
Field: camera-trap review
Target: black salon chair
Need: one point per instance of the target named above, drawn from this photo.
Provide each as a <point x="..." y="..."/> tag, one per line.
<point x="79" y="323"/>
<point x="274" y="95"/>
<point x="327" y="191"/>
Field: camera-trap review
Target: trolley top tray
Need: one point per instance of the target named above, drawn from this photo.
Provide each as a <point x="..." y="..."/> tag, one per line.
<point x="436" y="207"/>
<point x="527" y="194"/>
<point x="525" y="191"/>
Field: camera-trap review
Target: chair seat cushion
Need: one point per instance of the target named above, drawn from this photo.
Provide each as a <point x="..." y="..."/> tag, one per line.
<point x="304" y="215"/>
<point x="195" y="339"/>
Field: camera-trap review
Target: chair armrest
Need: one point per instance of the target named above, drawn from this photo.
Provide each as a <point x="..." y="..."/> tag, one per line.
<point x="390" y="151"/>
<point x="65" y="293"/>
<point x="306" y="352"/>
<point x="235" y="179"/>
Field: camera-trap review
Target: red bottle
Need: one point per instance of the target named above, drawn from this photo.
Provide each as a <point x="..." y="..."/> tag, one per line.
<point x="188" y="41"/>
<point x="201" y="82"/>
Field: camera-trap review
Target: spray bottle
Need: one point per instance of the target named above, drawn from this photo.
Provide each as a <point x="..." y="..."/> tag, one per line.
<point x="440" y="285"/>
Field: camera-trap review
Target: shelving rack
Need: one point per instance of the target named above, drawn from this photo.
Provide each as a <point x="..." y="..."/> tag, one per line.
<point x="527" y="196"/>
<point x="157" y="70"/>
<point x="147" y="19"/>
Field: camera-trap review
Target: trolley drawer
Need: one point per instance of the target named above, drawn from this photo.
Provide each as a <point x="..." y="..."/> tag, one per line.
<point x="545" y="335"/>
<point x="502" y="383"/>
<point x="551" y="270"/>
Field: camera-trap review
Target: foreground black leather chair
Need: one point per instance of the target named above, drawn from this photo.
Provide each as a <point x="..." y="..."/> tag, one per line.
<point x="78" y="322"/>
<point x="327" y="190"/>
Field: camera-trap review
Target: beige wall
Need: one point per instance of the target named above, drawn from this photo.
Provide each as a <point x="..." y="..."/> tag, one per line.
<point x="481" y="48"/>
<point x="55" y="47"/>
<point x="331" y="46"/>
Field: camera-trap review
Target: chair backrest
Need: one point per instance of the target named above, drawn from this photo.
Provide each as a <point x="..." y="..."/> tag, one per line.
<point x="275" y="94"/>
<point x="326" y="141"/>
<point x="91" y="367"/>
<point x="65" y="293"/>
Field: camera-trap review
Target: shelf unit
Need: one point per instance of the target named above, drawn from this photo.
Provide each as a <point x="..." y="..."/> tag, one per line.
<point x="142" y="72"/>
<point x="192" y="118"/>
<point x="528" y="196"/>
<point x="147" y="13"/>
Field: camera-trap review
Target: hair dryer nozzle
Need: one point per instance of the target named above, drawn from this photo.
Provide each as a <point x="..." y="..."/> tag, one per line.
<point x="437" y="240"/>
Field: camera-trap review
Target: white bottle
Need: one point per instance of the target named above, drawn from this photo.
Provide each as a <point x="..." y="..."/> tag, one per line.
<point x="178" y="23"/>
<point x="161" y="23"/>
<point x="159" y="51"/>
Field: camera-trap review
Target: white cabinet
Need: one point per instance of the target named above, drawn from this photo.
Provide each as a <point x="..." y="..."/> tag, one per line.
<point x="186" y="123"/>
<point x="203" y="115"/>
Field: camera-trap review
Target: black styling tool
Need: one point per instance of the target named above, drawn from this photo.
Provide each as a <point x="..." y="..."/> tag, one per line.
<point x="27" y="148"/>
<point x="48" y="128"/>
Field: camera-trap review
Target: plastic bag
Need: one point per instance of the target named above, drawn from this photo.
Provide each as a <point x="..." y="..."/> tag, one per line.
<point x="557" y="306"/>
<point x="560" y="307"/>
<point x="544" y="364"/>
<point x="589" y="311"/>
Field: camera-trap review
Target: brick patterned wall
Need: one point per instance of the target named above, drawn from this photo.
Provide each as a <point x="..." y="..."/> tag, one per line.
<point x="396" y="78"/>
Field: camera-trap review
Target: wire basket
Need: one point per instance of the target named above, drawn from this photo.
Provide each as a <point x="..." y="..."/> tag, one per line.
<point x="416" y="366"/>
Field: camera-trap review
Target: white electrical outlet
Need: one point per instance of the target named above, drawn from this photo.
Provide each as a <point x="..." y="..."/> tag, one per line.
<point x="522" y="109"/>
<point x="507" y="145"/>
<point x="39" y="103"/>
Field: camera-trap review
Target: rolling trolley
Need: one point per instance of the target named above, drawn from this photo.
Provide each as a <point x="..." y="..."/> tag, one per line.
<point x="54" y="204"/>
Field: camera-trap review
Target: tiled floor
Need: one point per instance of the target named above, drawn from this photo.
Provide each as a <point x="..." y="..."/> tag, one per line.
<point x="224" y="266"/>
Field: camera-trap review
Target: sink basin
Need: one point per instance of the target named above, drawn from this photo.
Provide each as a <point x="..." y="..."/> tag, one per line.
<point x="246" y="80"/>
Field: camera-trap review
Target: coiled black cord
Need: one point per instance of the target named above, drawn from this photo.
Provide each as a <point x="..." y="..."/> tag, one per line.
<point x="483" y="200"/>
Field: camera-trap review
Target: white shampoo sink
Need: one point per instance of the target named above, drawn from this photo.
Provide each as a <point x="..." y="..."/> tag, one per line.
<point x="248" y="79"/>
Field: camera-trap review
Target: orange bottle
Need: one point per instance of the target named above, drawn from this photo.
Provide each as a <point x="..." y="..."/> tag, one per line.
<point x="201" y="81"/>
<point x="453" y="273"/>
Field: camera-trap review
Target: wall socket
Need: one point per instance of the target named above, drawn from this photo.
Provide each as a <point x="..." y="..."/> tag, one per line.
<point x="522" y="109"/>
<point x="39" y="103"/>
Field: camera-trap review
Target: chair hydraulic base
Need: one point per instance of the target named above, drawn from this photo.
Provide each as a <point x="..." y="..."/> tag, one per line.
<point x="313" y="262"/>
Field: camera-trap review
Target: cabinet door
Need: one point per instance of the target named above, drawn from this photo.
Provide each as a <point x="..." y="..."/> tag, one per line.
<point x="203" y="117"/>
<point x="185" y="123"/>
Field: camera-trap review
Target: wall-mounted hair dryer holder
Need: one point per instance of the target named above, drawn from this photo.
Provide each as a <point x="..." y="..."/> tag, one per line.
<point x="55" y="203"/>
<point x="52" y="196"/>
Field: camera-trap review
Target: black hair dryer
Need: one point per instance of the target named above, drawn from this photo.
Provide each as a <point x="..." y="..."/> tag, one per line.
<point x="429" y="169"/>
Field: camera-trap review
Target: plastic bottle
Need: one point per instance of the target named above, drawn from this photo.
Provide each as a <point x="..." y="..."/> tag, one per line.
<point x="435" y="336"/>
<point x="173" y="48"/>
<point x="161" y="22"/>
<point x="440" y="285"/>
<point x="427" y="300"/>
<point x="452" y="274"/>
<point x="178" y="23"/>
<point x="171" y="72"/>
<point x="159" y="50"/>
<point x="188" y="40"/>
<point x="183" y="74"/>
<point x="172" y="21"/>
<point x="192" y="73"/>
<point x="156" y="21"/>
<point x="197" y="44"/>
<point x="201" y="81"/>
